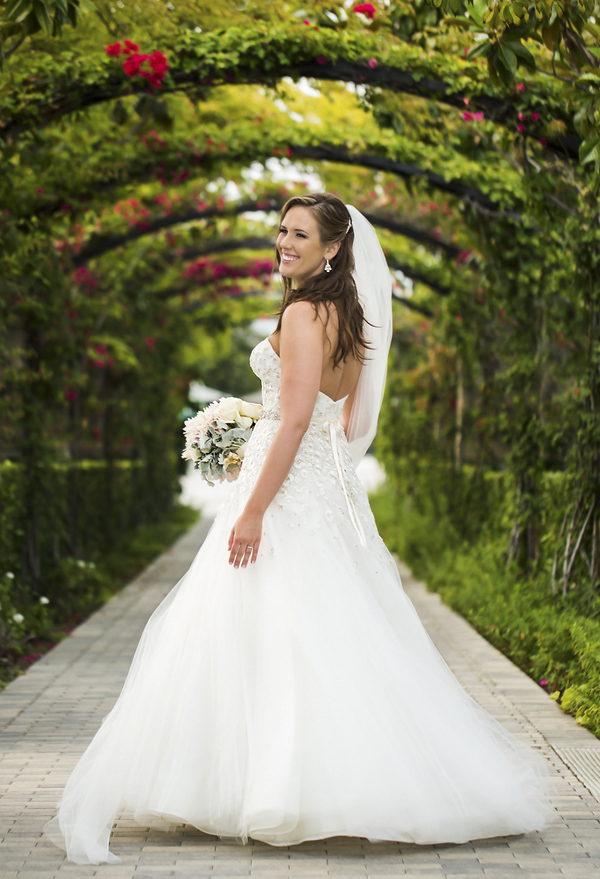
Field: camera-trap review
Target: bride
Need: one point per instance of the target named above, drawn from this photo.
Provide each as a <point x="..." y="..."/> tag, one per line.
<point x="285" y="689"/>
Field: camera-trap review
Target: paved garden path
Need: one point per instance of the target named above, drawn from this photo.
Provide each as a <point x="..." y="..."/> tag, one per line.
<point x="48" y="716"/>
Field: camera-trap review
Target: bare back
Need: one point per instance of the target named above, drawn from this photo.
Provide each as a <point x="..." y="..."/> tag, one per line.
<point x="341" y="381"/>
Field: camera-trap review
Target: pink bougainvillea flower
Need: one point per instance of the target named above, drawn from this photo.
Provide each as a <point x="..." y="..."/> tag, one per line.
<point x="367" y="9"/>
<point x="520" y="86"/>
<point x="535" y="116"/>
<point x="543" y="682"/>
<point x="467" y="116"/>
<point x="373" y="62"/>
<point x="321" y="60"/>
<point x="478" y="116"/>
<point x="543" y="141"/>
<point x="520" y="127"/>
<point x="521" y="116"/>
<point x="114" y="50"/>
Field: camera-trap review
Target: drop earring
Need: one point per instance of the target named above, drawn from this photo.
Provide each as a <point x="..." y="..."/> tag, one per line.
<point x="328" y="267"/>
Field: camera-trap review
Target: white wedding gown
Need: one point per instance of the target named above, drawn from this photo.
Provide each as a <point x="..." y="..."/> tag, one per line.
<point x="298" y="698"/>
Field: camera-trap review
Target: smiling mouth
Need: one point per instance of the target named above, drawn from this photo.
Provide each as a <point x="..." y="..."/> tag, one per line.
<point x="287" y="258"/>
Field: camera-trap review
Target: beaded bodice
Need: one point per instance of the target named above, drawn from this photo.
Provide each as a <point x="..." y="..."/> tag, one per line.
<point x="265" y="363"/>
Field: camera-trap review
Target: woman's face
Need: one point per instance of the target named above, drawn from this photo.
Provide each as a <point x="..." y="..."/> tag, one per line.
<point x="301" y="253"/>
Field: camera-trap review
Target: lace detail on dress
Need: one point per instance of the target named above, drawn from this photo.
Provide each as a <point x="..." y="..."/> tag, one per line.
<point x="314" y="478"/>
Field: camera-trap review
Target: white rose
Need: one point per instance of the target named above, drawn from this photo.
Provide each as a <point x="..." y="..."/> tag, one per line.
<point x="18" y="617"/>
<point x="250" y="410"/>
<point x="243" y="421"/>
<point x="228" y="409"/>
<point x="44" y="600"/>
<point x="10" y="575"/>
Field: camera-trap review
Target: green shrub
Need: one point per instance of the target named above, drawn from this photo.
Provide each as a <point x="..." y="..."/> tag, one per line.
<point x="554" y="639"/>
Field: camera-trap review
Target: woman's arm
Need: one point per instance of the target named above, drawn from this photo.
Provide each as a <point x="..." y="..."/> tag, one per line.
<point x="301" y="355"/>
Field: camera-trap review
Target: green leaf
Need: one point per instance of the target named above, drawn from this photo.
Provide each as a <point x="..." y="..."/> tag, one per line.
<point x="476" y="11"/>
<point x="551" y="34"/>
<point x="31" y="24"/>
<point x="43" y="17"/>
<point x="481" y="50"/>
<point x="589" y="77"/>
<point x="524" y="56"/>
<point x="589" y="151"/>
<point x="508" y="58"/>
<point x="18" y="10"/>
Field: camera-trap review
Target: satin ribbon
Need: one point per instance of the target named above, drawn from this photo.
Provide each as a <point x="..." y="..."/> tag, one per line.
<point x="334" y="427"/>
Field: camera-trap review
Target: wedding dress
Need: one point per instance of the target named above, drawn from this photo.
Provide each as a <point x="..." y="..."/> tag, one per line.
<point x="300" y="697"/>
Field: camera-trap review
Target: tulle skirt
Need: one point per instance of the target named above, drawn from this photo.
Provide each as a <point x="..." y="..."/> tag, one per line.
<point x="297" y="699"/>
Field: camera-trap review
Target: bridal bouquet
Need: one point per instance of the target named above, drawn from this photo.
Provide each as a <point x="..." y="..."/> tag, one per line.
<point x="215" y="438"/>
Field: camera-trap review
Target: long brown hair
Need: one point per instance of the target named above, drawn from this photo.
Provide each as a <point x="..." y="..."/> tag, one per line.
<point x="336" y="287"/>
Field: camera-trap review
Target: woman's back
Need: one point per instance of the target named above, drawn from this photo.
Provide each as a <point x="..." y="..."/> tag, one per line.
<point x="336" y="381"/>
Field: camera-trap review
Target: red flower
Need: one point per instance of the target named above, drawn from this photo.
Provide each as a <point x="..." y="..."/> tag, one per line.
<point x="306" y="22"/>
<point x="321" y="60"/>
<point x="535" y="116"/>
<point x="367" y="9"/>
<point x="40" y="191"/>
<point x="133" y="64"/>
<point x="158" y="63"/>
<point x="520" y="127"/>
<point x="576" y="391"/>
<point x="130" y="47"/>
<point x="543" y="141"/>
<point x="467" y="116"/>
<point x="114" y="50"/>
<point x="71" y="395"/>
<point x="150" y="342"/>
<point x="478" y="117"/>
<point x="373" y="62"/>
<point x="520" y="86"/>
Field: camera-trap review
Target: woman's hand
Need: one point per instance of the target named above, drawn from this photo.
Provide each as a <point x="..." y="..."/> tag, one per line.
<point x="244" y="539"/>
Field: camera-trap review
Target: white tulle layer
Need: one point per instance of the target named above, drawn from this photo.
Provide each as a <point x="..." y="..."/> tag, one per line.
<point x="297" y="699"/>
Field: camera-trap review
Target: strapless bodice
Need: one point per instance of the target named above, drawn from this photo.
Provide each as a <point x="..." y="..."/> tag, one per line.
<point x="266" y="365"/>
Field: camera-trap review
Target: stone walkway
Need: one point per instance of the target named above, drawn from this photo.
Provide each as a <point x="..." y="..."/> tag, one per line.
<point x="48" y="715"/>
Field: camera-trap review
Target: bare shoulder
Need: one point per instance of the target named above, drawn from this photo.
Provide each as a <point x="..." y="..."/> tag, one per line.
<point x="299" y="321"/>
<point x="299" y="313"/>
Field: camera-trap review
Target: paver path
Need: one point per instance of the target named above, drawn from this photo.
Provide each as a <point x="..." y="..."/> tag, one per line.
<point x="48" y="715"/>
